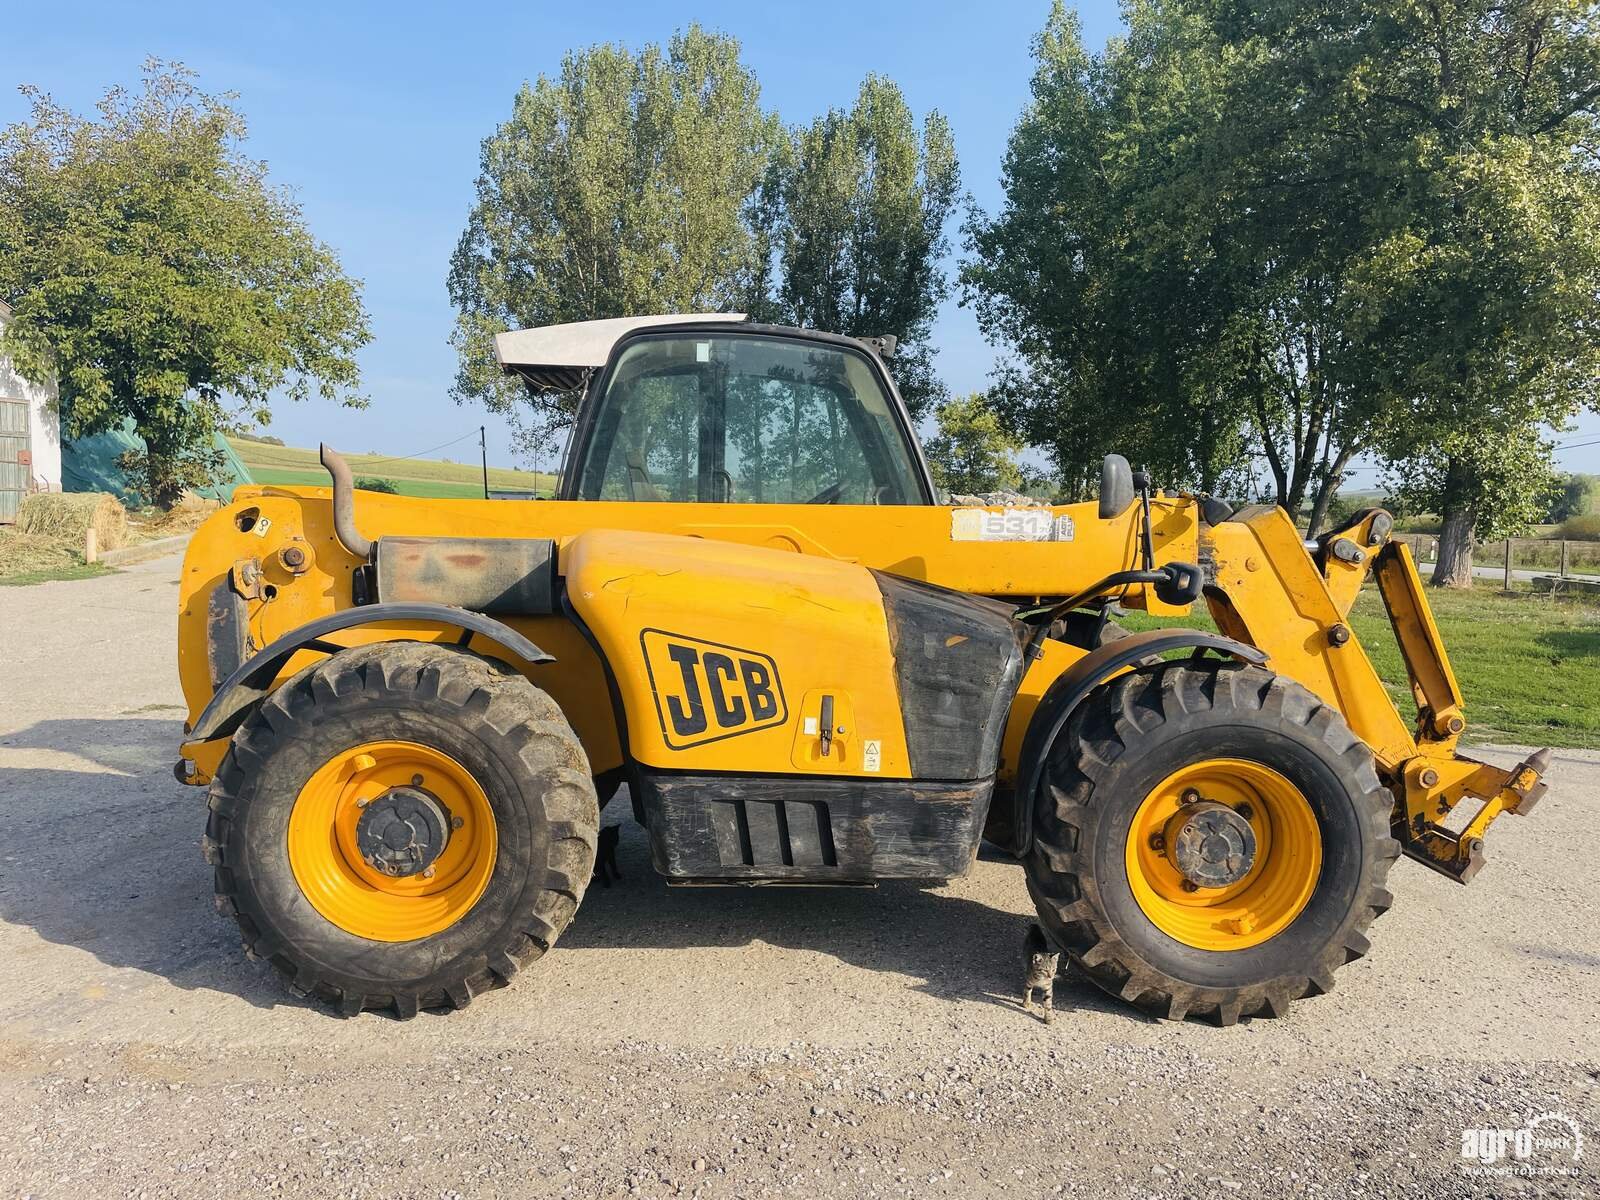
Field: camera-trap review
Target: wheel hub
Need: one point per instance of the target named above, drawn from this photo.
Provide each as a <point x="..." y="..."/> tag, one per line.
<point x="402" y="832"/>
<point x="1211" y="845"/>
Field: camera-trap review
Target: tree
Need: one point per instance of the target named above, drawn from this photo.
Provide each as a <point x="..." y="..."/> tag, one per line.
<point x="1511" y="482"/>
<point x="154" y="270"/>
<point x="1330" y="230"/>
<point x="973" y="453"/>
<point x="623" y="186"/>
<point x="1480" y="296"/>
<point x="1101" y="271"/>
<point x="1574" y="495"/>
<point x="861" y="204"/>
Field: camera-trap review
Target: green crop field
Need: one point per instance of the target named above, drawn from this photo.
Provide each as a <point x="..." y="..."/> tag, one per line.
<point x="1528" y="665"/>
<point x="295" y="466"/>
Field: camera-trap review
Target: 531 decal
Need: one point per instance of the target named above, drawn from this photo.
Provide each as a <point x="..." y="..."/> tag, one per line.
<point x="706" y="691"/>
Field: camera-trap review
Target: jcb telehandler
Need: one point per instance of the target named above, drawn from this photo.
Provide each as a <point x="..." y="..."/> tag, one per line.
<point x="750" y="606"/>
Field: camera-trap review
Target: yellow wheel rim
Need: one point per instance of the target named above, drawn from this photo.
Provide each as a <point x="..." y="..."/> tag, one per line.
<point x="357" y="897"/>
<point x="1261" y="904"/>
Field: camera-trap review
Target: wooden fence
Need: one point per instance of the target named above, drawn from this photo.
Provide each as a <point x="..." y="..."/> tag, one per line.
<point x="1561" y="563"/>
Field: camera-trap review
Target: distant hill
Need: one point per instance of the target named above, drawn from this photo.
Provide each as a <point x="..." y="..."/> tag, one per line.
<point x="294" y="466"/>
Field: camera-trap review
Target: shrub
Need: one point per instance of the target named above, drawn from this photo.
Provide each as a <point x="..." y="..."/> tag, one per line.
<point x="1421" y="523"/>
<point x="371" y="483"/>
<point x="1580" y="529"/>
<point x="163" y="478"/>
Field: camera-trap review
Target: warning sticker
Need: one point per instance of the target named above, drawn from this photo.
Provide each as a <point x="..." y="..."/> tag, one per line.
<point x="1009" y="525"/>
<point x="872" y="756"/>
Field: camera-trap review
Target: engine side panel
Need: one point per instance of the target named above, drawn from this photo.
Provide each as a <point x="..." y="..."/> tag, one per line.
<point x="726" y="657"/>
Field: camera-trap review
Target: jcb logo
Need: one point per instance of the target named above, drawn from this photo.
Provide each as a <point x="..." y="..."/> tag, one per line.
<point x="705" y="690"/>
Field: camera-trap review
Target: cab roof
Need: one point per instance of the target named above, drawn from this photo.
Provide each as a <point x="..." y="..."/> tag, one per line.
<point x="559" y="357"/>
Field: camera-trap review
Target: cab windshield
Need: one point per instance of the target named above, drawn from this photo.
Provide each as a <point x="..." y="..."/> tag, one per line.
<point x="742" y="419"/>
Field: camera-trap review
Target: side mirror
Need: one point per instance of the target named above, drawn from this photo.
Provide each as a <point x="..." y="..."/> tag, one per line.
<point x="1116" y="486"/>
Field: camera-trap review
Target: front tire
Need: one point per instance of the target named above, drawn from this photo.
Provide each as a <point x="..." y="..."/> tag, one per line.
<point x="472" y="773"/>
<point x="1262" y="762"/>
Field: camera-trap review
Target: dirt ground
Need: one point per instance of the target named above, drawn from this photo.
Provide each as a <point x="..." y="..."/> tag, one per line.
<point x="723" y="1042"/>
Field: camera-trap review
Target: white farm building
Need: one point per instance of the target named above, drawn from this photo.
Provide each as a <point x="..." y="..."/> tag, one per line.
<point x="30" y="435"/>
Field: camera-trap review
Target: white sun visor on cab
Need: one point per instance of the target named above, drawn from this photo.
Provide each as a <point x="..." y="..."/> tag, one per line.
<point x="558" y="357"/>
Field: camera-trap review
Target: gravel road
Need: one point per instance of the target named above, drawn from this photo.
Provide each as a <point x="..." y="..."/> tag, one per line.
<point x="724" y="1043"/>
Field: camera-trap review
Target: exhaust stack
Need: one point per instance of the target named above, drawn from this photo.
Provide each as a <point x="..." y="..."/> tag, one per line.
<point x="344" y="504"/>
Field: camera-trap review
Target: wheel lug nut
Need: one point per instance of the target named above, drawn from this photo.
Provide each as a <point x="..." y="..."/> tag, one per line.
<point x="1189" y="885"/>
<point x="456" y="822"/>
<point x="416" y="781"/>
<point x="1245" y="811"/>
<point x="1158" y="843"/>
<point x="363" y="802"/>
<point x="427" y="873"/>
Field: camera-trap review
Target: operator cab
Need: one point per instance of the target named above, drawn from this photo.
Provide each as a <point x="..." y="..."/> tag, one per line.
<point x="712" y="409"/>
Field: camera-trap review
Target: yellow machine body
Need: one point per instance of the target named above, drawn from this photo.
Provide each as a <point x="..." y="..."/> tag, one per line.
<point x="752" y="611"/>
<point x="794" y="584"/>
<point x="914" y="542"/>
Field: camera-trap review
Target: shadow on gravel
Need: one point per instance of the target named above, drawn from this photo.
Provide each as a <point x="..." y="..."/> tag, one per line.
<point x="959" y="949"/>
<point x="109" y="862"/>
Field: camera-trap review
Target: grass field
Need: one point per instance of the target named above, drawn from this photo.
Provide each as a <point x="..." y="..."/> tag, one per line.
<point x="297" y="467"/>
<point x="51" y="574"/>
<point x="1529" y="666"/>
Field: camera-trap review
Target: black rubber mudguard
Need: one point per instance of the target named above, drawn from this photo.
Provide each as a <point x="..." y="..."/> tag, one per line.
<point x="253" y="679"/>
<point x="1074" y="684"/>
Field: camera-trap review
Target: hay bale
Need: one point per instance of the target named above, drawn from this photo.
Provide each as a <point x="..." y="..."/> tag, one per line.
<point x="68" y="516"/>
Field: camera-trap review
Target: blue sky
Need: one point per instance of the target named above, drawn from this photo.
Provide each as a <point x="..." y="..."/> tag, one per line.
<point x="373" y="115"/>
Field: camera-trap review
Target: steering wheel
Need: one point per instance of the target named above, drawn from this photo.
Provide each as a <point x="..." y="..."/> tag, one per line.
<point x="829" y="494"/>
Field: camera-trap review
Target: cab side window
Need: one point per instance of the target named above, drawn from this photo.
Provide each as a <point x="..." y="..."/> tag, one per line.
<point x="745" y="419"/>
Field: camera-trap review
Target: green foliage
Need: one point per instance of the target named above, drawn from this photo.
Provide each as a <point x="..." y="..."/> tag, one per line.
<point x="153" y="269"/>
<point x="862" y="201"/>
<point x="1341" y="508"/>
<point x="973" y="453"/>
<point x="1581" y="529"/>
<point x="654" y="182"/>
<point x="162" y="479"/>
<point x="1477" y="289"/>
<point x="1509" y="484"/>
<point x="1419" y="523"/>
<point x="1575" y="495"/>
<point x="1098" y="272"/>
<point x="619" y="187"/>
<point x="372" y="483"/>
<point x="1329" y="229"/>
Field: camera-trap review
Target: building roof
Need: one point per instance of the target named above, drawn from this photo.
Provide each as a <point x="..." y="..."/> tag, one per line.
<point x="559" y="356"/>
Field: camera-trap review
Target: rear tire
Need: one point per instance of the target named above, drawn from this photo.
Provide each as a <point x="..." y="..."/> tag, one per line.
<point x="515" y="754"/>
<point x="1127" y="740"/>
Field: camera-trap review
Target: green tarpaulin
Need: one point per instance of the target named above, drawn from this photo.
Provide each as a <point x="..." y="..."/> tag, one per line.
<point x="89" y="464"/>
